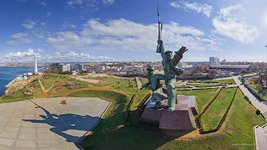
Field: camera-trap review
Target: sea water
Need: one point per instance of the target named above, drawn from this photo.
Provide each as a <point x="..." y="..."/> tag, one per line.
<point x="7" y="74"/>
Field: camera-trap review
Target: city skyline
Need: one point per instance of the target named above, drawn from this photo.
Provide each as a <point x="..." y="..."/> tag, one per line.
<point x="116" y="30"/>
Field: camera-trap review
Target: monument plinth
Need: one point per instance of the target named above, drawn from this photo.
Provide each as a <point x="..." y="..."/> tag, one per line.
<point x="182" y="118"/>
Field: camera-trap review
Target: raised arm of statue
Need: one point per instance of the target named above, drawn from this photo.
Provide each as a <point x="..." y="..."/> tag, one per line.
<point x="162" y="49"/>
<point x="179" y="55"/>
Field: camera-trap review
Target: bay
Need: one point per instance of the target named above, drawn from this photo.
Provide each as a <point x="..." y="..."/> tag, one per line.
<point x="7" y="74"/>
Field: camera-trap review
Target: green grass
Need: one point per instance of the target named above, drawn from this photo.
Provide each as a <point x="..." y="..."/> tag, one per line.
<point x="48" y="81"/>
<point x="182" y="86"/>
<point x="203" y="97"/>
<point x="210" y="120"/>
<point x="203" y="85"/>
<point x="237" y="129"/>
<point x="255" y="87"/>
<point x="210" y="83"/>
<point x="240" y="126"/>
<point x="227" y="81"/>
<point x="62" y="83"/>
<point x="140" y="95"/>
<point x="13" y="99"/>
<point x="126" y="85"/>
<point x="251" y="83"/>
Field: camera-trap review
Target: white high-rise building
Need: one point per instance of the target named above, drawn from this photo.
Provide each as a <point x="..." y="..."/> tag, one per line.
<point x="214" y="60"/>
<point x="35" y="65"/>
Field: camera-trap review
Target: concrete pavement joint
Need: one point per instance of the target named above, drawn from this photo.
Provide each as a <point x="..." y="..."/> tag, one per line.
<point x="51" y="125"/>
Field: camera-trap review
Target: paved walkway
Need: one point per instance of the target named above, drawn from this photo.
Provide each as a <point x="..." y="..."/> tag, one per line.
<point x="261" y="137"/>
<point x="254" y="101"/>
<point x="138" y="82"/>
<point x="55" y="123"/>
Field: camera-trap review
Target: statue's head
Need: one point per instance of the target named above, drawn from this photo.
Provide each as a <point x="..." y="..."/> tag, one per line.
<point x="168" y="55"/>
<point x="150" y="68"/>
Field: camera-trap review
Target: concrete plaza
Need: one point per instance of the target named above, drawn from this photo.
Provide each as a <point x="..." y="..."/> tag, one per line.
<point x="50" y="123"/>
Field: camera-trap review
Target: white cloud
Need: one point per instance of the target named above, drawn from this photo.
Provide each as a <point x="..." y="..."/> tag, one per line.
<point x="108" y="2"/>
<point x="230" y="22"/>
<point x="43" y="24"/>
<point x="73" y="56"/>
<point x="74" y="2"/>
<point x="48" y="14"/>
<point x="121" y="34"/>
<point x="36" y="33"/>
<point x="76" y="55"/>
<point x="27" y="56"/>
<point x="43" y="3"/>
<point x="20" y="38"/>
<point x="28" y="24"/>
<point x="175" y="5"/>
<point x="89" y="3"/>
<point x="264" y="19"/>
<point x="67" y="26"/>
<point x="199" y="8"/>
<point x="19" y="56"/>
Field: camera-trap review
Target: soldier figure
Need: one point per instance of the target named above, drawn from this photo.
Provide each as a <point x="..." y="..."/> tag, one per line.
<point x="170" y="71"/>
<point x="154" y="85"/>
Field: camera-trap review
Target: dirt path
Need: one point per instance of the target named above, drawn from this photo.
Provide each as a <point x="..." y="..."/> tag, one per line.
<point x="86" y="79"/>
<point x="90" y="88"/>
<point x="43" y="88"/>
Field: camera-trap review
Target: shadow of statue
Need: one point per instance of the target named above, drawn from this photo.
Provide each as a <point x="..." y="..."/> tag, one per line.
<point x="64" y="124"/>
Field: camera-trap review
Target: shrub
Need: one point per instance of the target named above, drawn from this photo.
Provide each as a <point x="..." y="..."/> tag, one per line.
<point x="258" y="112"/>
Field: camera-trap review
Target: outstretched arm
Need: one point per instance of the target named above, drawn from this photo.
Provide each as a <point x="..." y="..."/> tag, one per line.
<point x="179" y="55"/>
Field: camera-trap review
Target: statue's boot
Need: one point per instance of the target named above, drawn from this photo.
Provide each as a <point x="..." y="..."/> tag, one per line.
<point x="171" y="108"/>
<point x="157" y="105"/>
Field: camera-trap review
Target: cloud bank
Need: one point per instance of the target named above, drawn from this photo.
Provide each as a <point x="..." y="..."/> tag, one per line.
<point x="205" y="9"/>
<point x="122" y="34"/>
<point x="231" y="23"/>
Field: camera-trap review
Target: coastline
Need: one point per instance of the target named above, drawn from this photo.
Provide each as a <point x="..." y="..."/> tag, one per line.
<point x="8" y="85"/>
<point x="9" y="76"/>
<point x="11" y="82"/>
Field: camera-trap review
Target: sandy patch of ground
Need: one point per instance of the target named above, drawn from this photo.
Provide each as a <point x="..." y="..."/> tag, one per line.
<point x="86" y="79"/>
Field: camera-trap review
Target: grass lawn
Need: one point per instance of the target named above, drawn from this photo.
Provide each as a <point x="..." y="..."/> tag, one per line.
<point x="237" y="129"/>
<point x="48" y="80"/>
<point x="251" y="83"/>
<point x="225" y="81"/>
<point x="203" y="97"/>
<point x="255" y="87"/>
<point x="243" y="119"/>
<point x="140" y="95"/>
<point x="203" y="85"/>
<point x="63" y="83"/>
<point x="182" y="86"/>
<point x="8" y="99"/>
<point x="210" y="120"/>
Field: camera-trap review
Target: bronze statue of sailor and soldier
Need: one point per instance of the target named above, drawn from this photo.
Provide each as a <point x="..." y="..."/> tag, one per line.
<point x="169" y="63"/>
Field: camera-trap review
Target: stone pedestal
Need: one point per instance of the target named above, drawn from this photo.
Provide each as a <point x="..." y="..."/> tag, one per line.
<point x="181" y="119"/>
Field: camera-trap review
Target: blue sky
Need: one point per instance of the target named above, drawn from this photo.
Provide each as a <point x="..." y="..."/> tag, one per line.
<point x="125" y="30"/>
